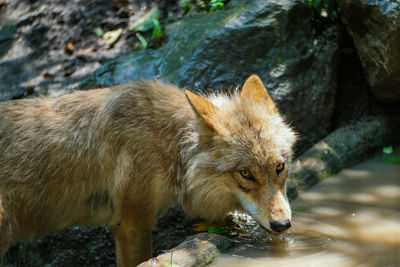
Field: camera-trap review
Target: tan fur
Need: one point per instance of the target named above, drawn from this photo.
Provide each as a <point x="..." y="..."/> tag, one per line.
<point x="123" y="155"/>
<point x="254" y="90"/>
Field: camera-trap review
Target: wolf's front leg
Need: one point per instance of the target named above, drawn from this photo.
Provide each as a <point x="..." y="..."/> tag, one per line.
<point x="5" y="231"/>
<point x="133" y="243"/>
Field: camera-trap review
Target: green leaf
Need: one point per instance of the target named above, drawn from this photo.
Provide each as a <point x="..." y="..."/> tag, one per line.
<point x="216" y="5"/>
<point x="141" y="40"/>
<point x="395" y="159"/>
<point x="388" y="150"/>
<point x="218" y="230"/>
<point x="186" y="5"/>
<point x="145" y="23"/>
<point x="98" y="31"/>
<point x="300" y="209"/>
<point x="157" y="31"/>
<point x="169" y="264"/>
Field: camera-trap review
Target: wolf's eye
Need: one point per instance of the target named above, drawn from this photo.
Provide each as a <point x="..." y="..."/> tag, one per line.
<point x="280" y="167"/>
<point x="246" y="174"/>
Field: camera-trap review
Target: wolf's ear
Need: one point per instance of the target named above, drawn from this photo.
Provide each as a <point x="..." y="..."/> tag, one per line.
<point x="254" y="90"/>
<point x="204" y="108"/>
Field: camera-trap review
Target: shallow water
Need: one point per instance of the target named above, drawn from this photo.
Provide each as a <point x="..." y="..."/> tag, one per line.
<point x="349" y="219"/>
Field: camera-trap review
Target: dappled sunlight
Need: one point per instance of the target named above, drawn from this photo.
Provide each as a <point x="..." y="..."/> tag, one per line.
<point x="355" y="174"/>
<point x="363" y="198"/>
<point x="322" y="196"/>
<point x="349" y="219"/>
<point x="387" y="191"/>
<point x="327" y="211"/>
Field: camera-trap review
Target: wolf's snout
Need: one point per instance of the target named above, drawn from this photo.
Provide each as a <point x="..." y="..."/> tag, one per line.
<point x="280" y="226"/>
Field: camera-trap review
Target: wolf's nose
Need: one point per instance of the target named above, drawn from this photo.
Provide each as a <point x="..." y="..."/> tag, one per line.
<point x="280" y="226"/>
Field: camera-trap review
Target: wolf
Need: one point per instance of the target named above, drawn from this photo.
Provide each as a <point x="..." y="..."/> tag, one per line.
<point x="123" y="155"/>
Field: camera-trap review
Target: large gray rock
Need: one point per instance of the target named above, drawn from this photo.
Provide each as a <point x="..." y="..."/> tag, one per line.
<point x="272" y="38"/>
<point x="375" y="28"/>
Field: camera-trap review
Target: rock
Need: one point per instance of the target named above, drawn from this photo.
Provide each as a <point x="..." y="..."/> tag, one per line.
<point x="375" y="29"/>
<point x="197" y="250"/>
<point x="33" y="36"/>
<point x="354" y="98"/>
<point x="342" y="148"/>
<point x="274" y="39"/>
<point x="171" y="229"/>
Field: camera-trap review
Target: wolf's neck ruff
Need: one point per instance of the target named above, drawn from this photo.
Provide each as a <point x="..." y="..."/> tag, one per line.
<point x="230" y="134"/>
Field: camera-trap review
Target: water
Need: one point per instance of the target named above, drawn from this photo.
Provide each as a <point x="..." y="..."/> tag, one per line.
<point x="350" y="219"/>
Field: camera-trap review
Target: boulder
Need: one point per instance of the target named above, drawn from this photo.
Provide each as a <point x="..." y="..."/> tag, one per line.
<point x="272" y="38"/>
<point x="375" y="29"/>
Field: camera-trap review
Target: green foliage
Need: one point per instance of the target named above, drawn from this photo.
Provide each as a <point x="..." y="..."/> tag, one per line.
<point x="142" y="41"/>
<point x="98" y="31"/>
<point x="149" y="22"/>
<point x="388" y="158"/>
<point x="219" y="230"/>
<point x="216" y="5"/>
<point x="300" y="209"/>
<point x="215" y="227"/>
<point x="145" y="23"/>
<point x="213" y="5"/>
<point x="388" y="150"/>
<point x="157" y="31"/>
<point x="156" y="35"/>
<point x="186" y="6"/>
<point x="325" y="8"/>
<point x="394" y="159"/>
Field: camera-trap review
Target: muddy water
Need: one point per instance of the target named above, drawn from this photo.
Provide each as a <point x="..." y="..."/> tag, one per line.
<point x="350" y="219"/>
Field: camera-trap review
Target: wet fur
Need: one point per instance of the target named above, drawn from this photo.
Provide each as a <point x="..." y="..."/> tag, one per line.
<point x="123" y="155"/>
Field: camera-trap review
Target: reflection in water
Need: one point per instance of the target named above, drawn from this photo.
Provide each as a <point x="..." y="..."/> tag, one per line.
<point x="350" y="219"/>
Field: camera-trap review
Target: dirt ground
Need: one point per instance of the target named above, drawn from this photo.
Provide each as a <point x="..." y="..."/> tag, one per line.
<point x="49" y="46"/>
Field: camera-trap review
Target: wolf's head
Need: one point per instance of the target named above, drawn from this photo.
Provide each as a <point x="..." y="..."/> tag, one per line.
<point x="241" y="163"/>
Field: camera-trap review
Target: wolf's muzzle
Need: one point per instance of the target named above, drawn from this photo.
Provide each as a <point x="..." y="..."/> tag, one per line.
<point x="280" y="226"/>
